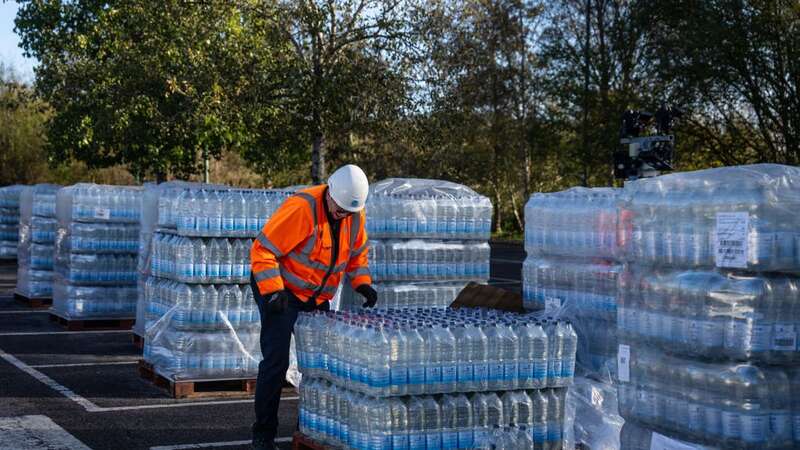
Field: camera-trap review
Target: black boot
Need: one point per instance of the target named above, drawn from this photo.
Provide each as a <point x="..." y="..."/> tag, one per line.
<point x="262" y="442"/>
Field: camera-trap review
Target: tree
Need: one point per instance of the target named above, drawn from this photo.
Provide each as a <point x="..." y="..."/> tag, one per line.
<point x="340" y="76"/>
<point x="735" y="65"/>
<point x="158" y="86"/>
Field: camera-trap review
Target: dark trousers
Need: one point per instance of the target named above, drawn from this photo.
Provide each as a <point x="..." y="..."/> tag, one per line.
<point x="276" y="332"/>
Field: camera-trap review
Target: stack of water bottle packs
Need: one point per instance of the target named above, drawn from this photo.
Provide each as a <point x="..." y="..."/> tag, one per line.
<point x="9" y="220"/>
<point x="429" y="238"/>
<point x="421" y="364"/>
<point x="574" y="251"/>
<point x="710" y="309"/>
<point x="200" y="318"/>
<point x="96" y="249"/>
<point x="37" y="236"/>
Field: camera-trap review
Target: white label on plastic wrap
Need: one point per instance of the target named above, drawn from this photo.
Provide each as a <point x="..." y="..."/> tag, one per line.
<point x="102" y="213"/>
<point x="784" y="338"/>
<point x="731" y="243"/>
<point x="624" y="363"/>
<point x="551" y="304"/>
<point x="661" y="442"/>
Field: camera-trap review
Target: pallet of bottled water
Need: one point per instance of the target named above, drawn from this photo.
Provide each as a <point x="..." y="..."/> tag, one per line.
<point x="742" y="217"/>
<point x="200" y="260"/>
<point x="400" y="294"/>
<point x="96" y="251"/>
<point x="216" y="212"/>
<point x="192" y="355"/>
<point x="9" y="220"/>
<point x="418" y="208"/>
<point x="340" y="417"/>
<point x="738" y="405"/>
<point x="432" y="351"/>
<point x="93" y="302"/>
<point x="37" y="233"/>
<point x="424" y="260"/>
<point x="712" y="314"/>
<point x="578" y="222"/>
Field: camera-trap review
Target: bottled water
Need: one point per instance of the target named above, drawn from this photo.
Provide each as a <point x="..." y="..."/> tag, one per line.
<point x="98" y="204"/>
<point x="417" y="208"/>
<point x="713" y="315"/>
<point x="224" y="212"/>
<point x="36" y="234"/>
<point x="335" y="416"/>
<point x="428" y="260"/>
<point x="677" y="217"/>
<point x="200" y="260"/>
<point x="736" y="403"/>
<point x="9" y="220"/>
<point x="93" y="301"/>
<point x="578" y="222"/>
<point x="406" y="294"/>
<point x="431" y="351"/>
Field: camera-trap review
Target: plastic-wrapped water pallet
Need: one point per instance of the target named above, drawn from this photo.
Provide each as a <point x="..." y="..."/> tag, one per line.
<point x="96" y="252"/>
<point x="37" y="231"/>
<point x="709" y="311"/>
<point x="429" y="239"/>
<point x="574" y="244"/>
<point x="200" y="320"/>
<point x="9" y="220"/>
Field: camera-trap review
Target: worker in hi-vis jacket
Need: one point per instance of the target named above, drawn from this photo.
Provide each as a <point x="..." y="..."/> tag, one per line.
<point x="314" y="238"/>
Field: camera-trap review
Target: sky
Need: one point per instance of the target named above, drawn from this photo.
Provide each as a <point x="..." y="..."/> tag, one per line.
<point x="10" y="53"/>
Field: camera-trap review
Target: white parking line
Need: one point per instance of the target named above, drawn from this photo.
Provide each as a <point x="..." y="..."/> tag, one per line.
<point x="90" y="406"/>
<point x="509" y="280"/>
<point x="25" y="311"/>
<point x="99" y="363"/>
<point x="36" y="433"/>
<point x="213" y="444"/>
<point x="45" y="333"/>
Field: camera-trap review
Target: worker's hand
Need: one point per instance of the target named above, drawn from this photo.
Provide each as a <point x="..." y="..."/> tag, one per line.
<point x="370" y="294"/>
<point x="278" y="302"/>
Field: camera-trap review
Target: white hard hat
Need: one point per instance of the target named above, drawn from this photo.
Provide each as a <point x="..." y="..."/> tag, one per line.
<point x="349" y="187"/>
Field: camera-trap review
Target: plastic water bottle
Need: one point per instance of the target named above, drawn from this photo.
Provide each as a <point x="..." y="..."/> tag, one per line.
<point x="417" y="357"/>
<point x="214" y="259"/>
<point x="555" y="417"/>
<point x="400" y="424"/>
<point x="433" y="422"/>
<point x="416" y="424"/>
<point x="570" y="347"/>
<point x="214" y="213"/>
<point x="539" y="429"/>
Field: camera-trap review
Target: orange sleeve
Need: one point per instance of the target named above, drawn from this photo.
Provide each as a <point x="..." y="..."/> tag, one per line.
<point x="358" y="266"/>
<point x="290" y="225"/>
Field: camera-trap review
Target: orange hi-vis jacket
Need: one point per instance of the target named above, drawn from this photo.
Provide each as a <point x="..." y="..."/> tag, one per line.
<point x="293" y="250"/>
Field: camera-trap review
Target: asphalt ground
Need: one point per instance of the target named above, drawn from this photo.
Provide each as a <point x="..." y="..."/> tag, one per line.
<point x="87" y="384"/>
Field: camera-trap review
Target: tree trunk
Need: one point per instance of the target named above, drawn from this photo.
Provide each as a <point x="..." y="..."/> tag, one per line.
<point x="318" y="174"/>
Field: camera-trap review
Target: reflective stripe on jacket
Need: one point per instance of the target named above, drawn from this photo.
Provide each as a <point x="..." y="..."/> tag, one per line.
<point x="293" y="250"/>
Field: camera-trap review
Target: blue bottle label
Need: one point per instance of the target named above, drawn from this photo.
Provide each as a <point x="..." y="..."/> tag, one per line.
<point x="433" y="374"/>
<point x="399" y="376"/>
<point x="416" y="441"/>
<point x="416" y="375"/>
<point x="449" y="439"/>
<point x="465" y="373"/>
<point x="481" y="372"/>
<point x="465" y="439"/>
<point x="433" y="440"/>
<point x="496" y="371"/>
<point x="449" y="373"/>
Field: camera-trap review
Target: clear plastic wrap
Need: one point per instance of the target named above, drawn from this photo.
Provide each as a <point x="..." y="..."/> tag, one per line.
<point x="33" y="283"/>
<point x="420" y="260"/>
<point x="738" y="405"/>
<point x="713" y="315"/>
<point x="97" y="203"/>
<point x="592" y="417"/>
<point x="406" y="295"/>
<point x="578" y="222"/>
<point x="637" y="437"/>
<point x="418" y="208"/>
<point x="740" y="217"/>
<point x="516" y="419"/>
<point x="97" y="269"/>
<point x="9" y="196"/>
<point x="201" y="331"/>
<point x="93" y="302"/>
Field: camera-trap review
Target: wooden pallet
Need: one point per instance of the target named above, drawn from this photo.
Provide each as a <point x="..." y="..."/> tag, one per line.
<point x="138" y="341"/>
<point x="302" y="442"/>
<point x="92" y="324"/>
<point x="34" y="302"/>
<point x="244" y="387"/>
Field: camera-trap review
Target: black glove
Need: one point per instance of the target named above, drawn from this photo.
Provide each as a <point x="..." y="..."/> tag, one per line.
<point x="370" y="294"/>
<point x="278" y="302"/>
